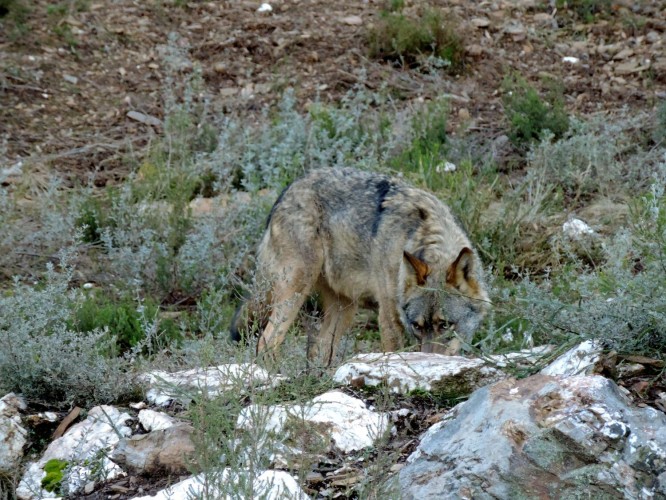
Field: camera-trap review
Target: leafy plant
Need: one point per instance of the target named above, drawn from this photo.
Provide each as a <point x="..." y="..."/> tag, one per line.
<point x="426" y="155"/>
<point x="529" y="115"/>
<point x="54" y="469"/>
<point x="125" y="319"/>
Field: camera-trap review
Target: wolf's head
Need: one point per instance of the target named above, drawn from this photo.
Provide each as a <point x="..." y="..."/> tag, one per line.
<point x="435" y="300"/>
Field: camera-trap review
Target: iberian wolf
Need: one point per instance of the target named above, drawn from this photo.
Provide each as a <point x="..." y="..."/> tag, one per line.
<point x="359" y="238"/>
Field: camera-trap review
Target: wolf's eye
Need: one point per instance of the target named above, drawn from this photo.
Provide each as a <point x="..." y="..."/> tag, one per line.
<point x="442" y="324"/>
<point x="417" y="326"/>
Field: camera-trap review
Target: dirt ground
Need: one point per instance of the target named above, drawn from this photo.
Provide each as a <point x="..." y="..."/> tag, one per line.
<point x="71" y="72"/>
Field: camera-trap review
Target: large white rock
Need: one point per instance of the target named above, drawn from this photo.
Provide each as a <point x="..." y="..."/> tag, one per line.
<point x="576" y="228"/>
<point x="542" y="437"/>
<point x="12" y="433"/>
<point x="334" y="416"/>
<point x="152" y="420"/>
<point x="404" y="372"/>
<point x="85" y="447"/>
<point x="166" y="387"/>
<point x="269" y="485"/>
<point x="579" y="360"/>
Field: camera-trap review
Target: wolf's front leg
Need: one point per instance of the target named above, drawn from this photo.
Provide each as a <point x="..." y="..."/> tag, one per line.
<point x="338" y="316"/>
<point x="390" y="328"/>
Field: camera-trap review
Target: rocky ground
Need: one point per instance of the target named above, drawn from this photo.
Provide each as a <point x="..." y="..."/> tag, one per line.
<point x="614" y="444"/>
<point x="82" y="84"/>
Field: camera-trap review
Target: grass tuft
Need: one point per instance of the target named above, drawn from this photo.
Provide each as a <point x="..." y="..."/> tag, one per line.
<point x="409" y="41"/>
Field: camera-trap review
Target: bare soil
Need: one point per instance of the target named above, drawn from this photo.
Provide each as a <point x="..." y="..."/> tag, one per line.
<point x="72" y="71"/>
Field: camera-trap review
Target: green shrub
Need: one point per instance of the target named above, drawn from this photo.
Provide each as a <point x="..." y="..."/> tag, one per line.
<point x="594" y="158"/>
<point x="426" y="155"/>
<point x="14" y="15"/>
<point x="127" y="320"/>
<point x="585" y="10"/>
<point x="530" y="115"/>
<point x="409" y="41"/>
<point x="6" y="6"/>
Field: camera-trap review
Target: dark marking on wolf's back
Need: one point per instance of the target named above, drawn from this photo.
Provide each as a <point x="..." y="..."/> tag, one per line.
<point x="423" y="215"/>
<point x="383" y="188"/>
<point x="277" y="202"/>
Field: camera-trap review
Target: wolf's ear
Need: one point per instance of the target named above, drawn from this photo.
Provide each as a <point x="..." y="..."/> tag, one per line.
<point x="461" y="271"/>
<point x="421" y="269"/>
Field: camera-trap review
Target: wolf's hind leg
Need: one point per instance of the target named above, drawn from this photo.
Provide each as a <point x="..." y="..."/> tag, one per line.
<point x="338" y="316"/>
<point x="287" y="298"/>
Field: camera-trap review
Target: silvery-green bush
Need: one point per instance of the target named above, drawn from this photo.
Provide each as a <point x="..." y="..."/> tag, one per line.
<point x="43" y="358"/>
<point x="287" y="143"/>
<point x="622" y="302"/>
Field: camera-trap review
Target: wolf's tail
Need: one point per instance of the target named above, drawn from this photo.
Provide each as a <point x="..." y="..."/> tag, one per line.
<point x="237" y="323"/>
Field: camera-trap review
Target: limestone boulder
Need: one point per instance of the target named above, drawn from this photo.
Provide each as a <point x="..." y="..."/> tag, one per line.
<point x="85" y="448"/>
<point x="542" y="437"/>
<point x="408" y="371"/>
<point x="182" y="386"/>
<point x="13" y="435"/>
<point x="333" y="417"/>
<point x="268" y="485"/>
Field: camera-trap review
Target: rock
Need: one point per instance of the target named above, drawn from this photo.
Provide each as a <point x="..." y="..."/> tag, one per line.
<point x="334" y="416"/>
<point x="623" y="54"/>
<point x="352" y="20"/>
<point x="630" y="370"/>
<point x="269" y="485"/>
<point x="653" y="37"/>
<point x="541" y="437"/>
<point x="515" y="29"/>
<point x="167" y="387"/>
<point x="221" y="67"/>
<point x="162" y="451"/>
<point x="145" y="119"/>
<point x="543" y="18"/>
<point x="570" y="60"/>
<point x="265" y="8"/>
<point x="152" y="420"/>
<point x="580" y="360"/>
<point x="480" y="22"/>
<point x="229" y="91"/>
<point x="575" y="228"/>
<point x="13" y="435"/>
<point x="446" y="166"/>
<point x="500" y="147"/>
<point x="70" y="79"/>
<point x="629" y="67"/>
<point x="404" y="372"/>
<point x="85" y="447"/>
